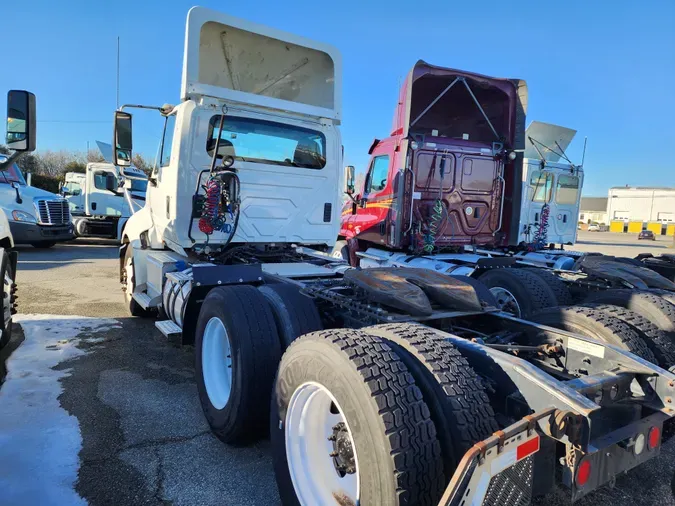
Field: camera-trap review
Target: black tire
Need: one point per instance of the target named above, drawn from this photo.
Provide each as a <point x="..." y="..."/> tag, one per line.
<point x="8" y="298"/>
<point x="648" y="304"/>
<point x="530" y="291"/>
<point x="294" y="313"/>
<point x="456" y="397"/>
<point x="341" y="250"/>
<point x="128" y="287"/>
<point x="658" y="340"/>
<point x="596" y="325"/>
<point x="43" y="244"/>
<point x="398" y="454"/>
<point x="255" y="351"/>
<point x="557" y="285"/>
<point x="483" y="292"/>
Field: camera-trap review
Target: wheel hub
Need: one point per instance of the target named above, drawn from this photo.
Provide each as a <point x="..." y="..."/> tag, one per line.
<point x="343" y="451"/>
<point x="506" y="301"/>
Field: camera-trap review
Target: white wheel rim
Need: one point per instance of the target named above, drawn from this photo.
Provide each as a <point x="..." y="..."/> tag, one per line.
<point x="308" y="426"/>
<point x="506" y="301"/>
<point x="217" y="363"/>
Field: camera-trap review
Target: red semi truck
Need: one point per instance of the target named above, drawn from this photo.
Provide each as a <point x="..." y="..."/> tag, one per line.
<point x="445" y="191"/>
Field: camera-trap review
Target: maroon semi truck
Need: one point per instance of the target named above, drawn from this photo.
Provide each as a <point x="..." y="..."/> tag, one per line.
<point x="451" y="158"/>
<point x="445" y="191"/>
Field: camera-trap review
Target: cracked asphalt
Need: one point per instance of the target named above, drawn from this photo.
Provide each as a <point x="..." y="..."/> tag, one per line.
<point x="144" y="439"/>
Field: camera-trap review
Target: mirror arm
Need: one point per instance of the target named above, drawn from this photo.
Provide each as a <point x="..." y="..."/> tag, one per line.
<point x="10" y="160"/>
<point x="351" y="196"/>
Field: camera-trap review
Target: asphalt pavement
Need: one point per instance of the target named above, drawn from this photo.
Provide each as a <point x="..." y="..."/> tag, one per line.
<point x="126" y="405"/>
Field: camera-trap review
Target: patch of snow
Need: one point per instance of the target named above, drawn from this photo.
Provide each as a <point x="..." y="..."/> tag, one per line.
<point x="39" y="440"/>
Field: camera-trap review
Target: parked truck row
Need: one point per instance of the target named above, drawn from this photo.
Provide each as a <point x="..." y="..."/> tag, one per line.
<point x="405" y="382"/>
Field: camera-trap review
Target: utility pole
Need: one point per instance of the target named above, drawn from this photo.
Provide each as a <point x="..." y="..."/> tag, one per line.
<point x="118" y="72"/>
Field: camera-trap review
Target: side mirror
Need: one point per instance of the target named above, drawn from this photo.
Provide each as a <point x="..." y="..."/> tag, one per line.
<point x="122" y="145"/>
<point x="65" y="191"/>
<point x="20" y="120"/>
<point x="111" y="183"/>
<point x="225" y="148"/>
<point x="349" y="179"/>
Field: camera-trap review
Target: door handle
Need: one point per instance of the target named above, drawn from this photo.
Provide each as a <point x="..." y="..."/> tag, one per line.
<point x="383" y="228"/>
<point x="93" y="206"/>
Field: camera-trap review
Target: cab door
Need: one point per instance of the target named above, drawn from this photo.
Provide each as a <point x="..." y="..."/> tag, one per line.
<point x="565" y="209"/>
<point x="103" y="196"/>
<point x="539" y="192"/>
<point x="372" y="219"/>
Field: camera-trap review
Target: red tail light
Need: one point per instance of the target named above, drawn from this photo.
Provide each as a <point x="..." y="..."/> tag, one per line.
<point x="654" y="437"/>
<point x="583" y="473"/>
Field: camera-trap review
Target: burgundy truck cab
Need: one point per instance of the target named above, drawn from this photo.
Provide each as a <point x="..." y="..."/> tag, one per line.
<point x="440" y="179"/>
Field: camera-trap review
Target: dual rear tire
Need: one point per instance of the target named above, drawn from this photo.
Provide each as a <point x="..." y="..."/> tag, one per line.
<point x="376" y="416"/>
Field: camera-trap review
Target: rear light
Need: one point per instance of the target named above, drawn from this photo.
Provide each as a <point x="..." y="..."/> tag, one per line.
<point x="654" y="437"/>
<point x="639" y="445"/>
<point x="583" y="473"/>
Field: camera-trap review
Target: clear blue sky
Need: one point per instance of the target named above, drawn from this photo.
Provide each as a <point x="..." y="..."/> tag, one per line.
<point x="604" y="68"/>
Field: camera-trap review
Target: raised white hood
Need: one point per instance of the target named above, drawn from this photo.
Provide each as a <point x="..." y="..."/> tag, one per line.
<point x="245" y="62"/>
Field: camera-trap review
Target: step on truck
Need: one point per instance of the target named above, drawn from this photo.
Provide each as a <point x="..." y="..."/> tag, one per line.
<point x="101" y="200"/>
<point x="461" y="187"/>
<point x="20" y="138"/>
<point x="377" y="386"/>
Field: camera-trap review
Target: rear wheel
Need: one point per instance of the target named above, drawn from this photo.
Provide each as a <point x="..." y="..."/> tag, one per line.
<point x="557" y="285"/>
<point x="518" y="291"/>
<point x="597" y="325"/>
<point x="459" y="406"/>
<point x="294" y="313"/>
<point x="658" y="340"/>
<point x="349" y="425"/>
<point x="648" y="304"/>
<point x="236" y="355"/>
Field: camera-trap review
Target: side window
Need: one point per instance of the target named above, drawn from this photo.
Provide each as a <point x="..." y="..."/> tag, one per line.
<point x="377" y="176"/>
<point x="567" y="190"/>
<point x="99" y="180"/>
<point x="167" y="143"/>
<point x="542" y="184"/>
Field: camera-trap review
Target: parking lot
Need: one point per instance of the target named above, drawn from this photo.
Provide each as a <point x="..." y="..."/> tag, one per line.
<point x="626" y="245"/>
<point x="98" y="408"/>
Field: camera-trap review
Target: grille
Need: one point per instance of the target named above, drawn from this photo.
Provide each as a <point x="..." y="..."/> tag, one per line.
<point x="53" y="212"/>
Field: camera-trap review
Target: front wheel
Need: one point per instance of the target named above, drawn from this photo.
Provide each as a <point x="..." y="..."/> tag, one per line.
<point x="43" y="244"/>
<point x="8" y="300"/>
<point x="129" y="284"/>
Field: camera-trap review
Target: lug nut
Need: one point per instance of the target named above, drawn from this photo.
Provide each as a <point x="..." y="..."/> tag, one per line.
<point x="331" y="438"/>
<point x="333" y="454"/>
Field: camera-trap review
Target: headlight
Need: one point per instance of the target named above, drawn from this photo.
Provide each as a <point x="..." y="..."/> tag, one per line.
<point x="414" y="145"/>
<point x="23" y="216"/>
<point x="512" y="155"/>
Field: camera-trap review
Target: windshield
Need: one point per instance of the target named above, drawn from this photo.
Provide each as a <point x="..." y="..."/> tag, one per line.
<point x="138" y="185"/>
<point x="12" y="174"/>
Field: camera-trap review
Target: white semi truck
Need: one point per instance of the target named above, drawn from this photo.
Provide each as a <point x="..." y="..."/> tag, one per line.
<point x="20" y="138"/>
<point x="98" y="203"/>
<point x="388" y="386"/>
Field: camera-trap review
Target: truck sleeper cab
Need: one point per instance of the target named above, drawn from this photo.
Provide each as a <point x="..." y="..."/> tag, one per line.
<point x="227" y="251"/>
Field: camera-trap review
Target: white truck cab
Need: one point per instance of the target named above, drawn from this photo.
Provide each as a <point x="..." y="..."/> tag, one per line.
<point x="97" y="202"/>
<point x="551" y="187"/>
<point x="36" y="216"/>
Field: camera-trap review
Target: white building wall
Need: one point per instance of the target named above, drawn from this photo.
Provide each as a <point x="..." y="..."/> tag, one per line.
<point x="646" y="204"/>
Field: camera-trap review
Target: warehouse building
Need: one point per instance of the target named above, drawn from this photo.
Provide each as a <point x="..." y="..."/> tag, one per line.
<point x="593" y="210"/>
<point x="632" y="209"/>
